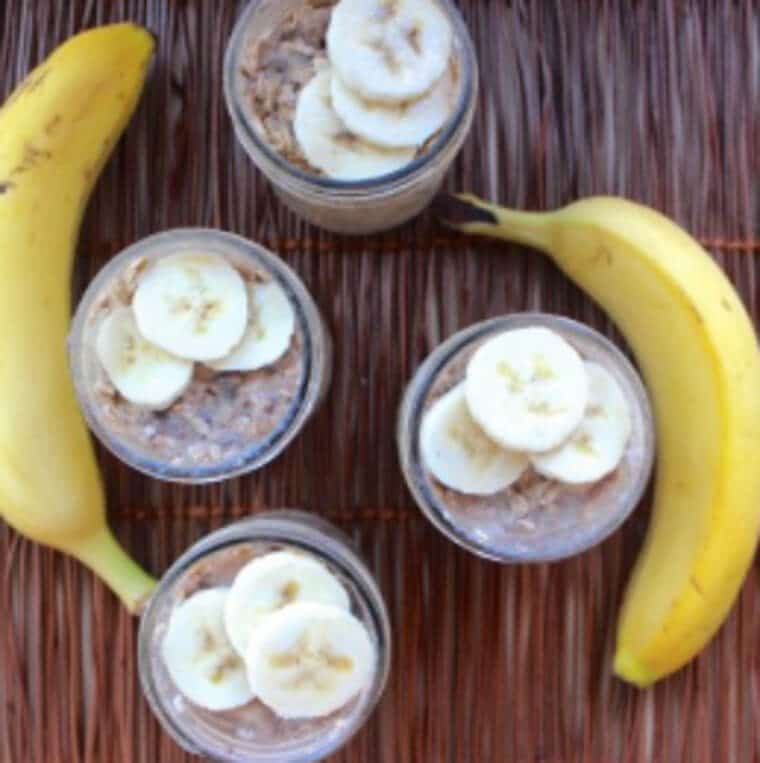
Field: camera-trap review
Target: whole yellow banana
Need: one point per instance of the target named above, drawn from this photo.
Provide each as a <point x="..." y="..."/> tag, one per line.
<point x="56" y="133"/>
<point x="697" y="349"/>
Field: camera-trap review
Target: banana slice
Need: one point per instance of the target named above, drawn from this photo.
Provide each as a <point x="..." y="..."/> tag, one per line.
<point x="389" y="51"/>
<point x="271" y="582"/>
<point x="458" y="453"/>
<point x="328" y="145"/>
<point x="271" y="322"/>
<point x="194" y="306"/>
<point x="199" y="657"/>
<point x="395" y="125"/>
<point x="308" y="660"/>
<point x="598" y="444"/>
<point x="141" y="372"/>
<point x="527" y="389"/>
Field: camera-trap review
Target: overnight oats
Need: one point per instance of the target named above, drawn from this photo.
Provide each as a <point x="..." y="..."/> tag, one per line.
<point x="526" y="438"/>
<point x="198" y="355"/>
<point x="266" y="641"/>
<point x="354" y="109"/>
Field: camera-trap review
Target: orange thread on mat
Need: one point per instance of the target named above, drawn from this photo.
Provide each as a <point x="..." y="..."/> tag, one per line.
<point x="235" y="512"/>
<point x="730" y="244"/>
<point x="458" y="242"/>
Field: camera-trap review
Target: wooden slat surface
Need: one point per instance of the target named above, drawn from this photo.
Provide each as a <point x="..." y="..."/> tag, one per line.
<point x="656" y="101"/>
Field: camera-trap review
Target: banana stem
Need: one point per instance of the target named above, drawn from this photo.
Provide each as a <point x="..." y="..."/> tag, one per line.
<point x="470" y="214"/>
<point x="107" y="559"/>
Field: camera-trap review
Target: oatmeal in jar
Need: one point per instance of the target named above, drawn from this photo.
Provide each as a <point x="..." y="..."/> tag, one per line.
<point x="351" y="106"/>
<point x="353" y="110"/>
<point x="257" y="648"/>
<point x="530" y="442"/>
<point x="191" y="360"/>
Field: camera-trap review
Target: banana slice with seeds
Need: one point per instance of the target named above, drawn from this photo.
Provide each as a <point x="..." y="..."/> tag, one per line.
<point x="410" y="123"/>
<point x="271" y="323"/>
<point x="389" y="51"/>
<point x="142" y="373"/>
<point x="329" y="146"/>
<point x="597" y="446"/>
<point x="194" y="306"/>
<point x="308" y="660"/>
<point x="527" y="389"/>
<point x="271" y="582"/>
<point x="459" y="455"/>
<point x="200" y="658"/>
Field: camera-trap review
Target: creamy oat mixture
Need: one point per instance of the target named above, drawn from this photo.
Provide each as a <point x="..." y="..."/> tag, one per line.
<point x="217" y="417"/>
<point x="534" y="505"/>
<point x="276" y="67"/>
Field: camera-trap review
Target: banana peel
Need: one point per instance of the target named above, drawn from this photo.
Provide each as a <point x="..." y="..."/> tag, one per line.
<point x="57" y="130"/>
<point x="697" y="350"/>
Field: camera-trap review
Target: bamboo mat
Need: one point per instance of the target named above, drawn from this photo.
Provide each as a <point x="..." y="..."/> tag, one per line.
<point x="656" y="101"/>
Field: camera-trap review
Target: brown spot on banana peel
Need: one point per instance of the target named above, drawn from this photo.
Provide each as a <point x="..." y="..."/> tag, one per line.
<point x="52" y="124"/>
<point x="602" y="256"/>
<point x="29" y="85"/>
<point x="32" y="157"/>
<point x="695" y="312"/>
<point x="6" y="186"/>
<point x="696" y="586"/>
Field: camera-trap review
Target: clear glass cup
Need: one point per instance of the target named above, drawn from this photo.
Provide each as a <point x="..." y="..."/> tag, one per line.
<point x="315" y="345"/>
<point x="582" y="517"/>
<point x="222" y="736"/>
<point x="355" y="207"/>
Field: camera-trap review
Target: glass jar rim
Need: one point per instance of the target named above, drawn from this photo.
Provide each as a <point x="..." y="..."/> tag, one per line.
<point x="290" y="527"/>
<point x="421" y="382"/>
<point x="387" y="183"/>
<point x="257" y="454"/>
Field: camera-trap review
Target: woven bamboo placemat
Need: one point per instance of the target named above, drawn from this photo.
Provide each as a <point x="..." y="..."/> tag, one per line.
<point x="656" y="101"/>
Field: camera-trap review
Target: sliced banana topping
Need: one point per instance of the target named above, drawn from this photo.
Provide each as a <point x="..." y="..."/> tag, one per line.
<point x="389" y="51"/>
<point x="527" y="389"/>
<point x="142" y="373"/>
<point x="199" y="657"/>
<point x="194" y="306"/>
<point x="457" y="452"/>
<point x="271" y="323"/>
<point x="308" y="660"/>
<point x="597" y="446"/>
<point x="271" y="582"/>
<point x="328" y="144"/>
<point x="409" y="123"/>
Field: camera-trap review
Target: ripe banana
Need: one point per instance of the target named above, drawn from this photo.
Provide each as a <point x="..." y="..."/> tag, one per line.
<point x="56" y="132"/>
<point x="698" y="352"/>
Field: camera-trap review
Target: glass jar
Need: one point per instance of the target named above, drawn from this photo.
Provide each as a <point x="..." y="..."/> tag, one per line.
<point x="356" y="207"/>
<point x="307" y="376"/>
<point x="547" y="521"/>
<point x="228" y="736"/>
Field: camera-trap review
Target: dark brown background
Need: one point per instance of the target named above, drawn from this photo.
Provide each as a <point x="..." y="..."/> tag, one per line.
<point x="657" y="101"/>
